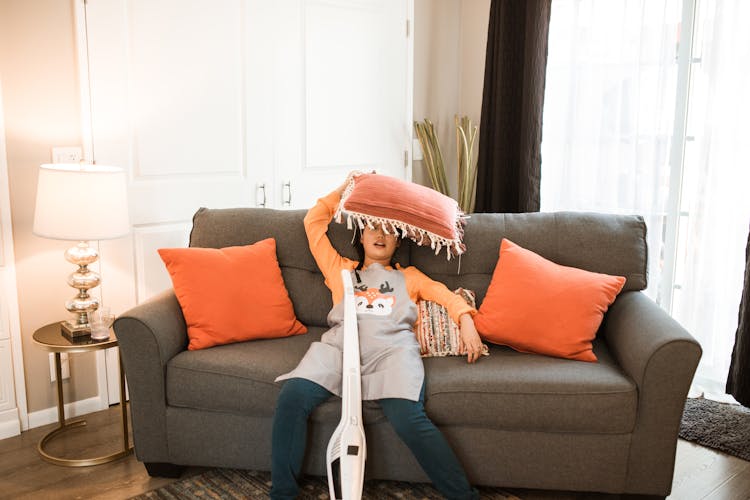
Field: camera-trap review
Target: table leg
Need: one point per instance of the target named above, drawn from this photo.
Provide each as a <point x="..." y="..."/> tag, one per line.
<point x="60" y="402"/>
<point x="64" y="425"/>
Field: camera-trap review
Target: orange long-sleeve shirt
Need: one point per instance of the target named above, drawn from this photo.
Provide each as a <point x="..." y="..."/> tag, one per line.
<point x="330" y="262"/>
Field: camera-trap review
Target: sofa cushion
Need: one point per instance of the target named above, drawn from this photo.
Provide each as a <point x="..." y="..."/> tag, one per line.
<point x="507" y="390"/>
<point x="231" y="294"/>
<point x="536" y="305"/>
<point x="224" y="227"/>
<point x="239" y="378"/>
<point x="235" y="378"/>
<point x="601" y="243"/>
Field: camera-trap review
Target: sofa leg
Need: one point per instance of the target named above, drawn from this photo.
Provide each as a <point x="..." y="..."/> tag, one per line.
<point x="164" y="469"/>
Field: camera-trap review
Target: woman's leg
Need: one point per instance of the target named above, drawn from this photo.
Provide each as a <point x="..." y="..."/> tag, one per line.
<point x="298" y="398"/>
<point x="429" y="446"/>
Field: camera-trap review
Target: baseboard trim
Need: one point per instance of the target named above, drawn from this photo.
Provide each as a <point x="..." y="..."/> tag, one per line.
<point x="72" y="409"/>
<point x="10" y="424"/>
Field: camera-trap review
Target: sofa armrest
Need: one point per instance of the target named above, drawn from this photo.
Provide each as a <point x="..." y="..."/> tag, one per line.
<point x="149" y="335"/>
<point x="660" y="356"/>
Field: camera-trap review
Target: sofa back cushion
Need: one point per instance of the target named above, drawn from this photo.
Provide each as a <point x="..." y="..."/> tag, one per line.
<point x="219" y="228"/>
<point x="602" y="243"/>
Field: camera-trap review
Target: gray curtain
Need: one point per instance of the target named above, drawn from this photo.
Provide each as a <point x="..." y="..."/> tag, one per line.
<point x="738" y="382"/>
<point x="510" y="133"/>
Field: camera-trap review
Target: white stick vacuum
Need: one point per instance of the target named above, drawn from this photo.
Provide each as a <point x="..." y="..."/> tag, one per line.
<point x="347" y="449"/>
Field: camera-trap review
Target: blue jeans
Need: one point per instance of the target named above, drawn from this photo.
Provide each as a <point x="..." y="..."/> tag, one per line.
<point x="299" y="397"/>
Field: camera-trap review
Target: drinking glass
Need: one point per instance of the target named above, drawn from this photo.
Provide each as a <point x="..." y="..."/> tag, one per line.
<point x="100" y="321"/>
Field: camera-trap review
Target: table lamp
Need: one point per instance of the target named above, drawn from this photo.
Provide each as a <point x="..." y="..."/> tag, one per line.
<point x="81" y="202"/>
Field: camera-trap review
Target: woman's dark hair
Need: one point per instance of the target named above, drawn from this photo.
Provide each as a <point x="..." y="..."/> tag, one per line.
<point x="358" y="247"/>
<point x="361" y="249"/>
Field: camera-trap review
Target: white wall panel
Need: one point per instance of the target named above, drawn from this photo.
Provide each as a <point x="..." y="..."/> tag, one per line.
<point x="186" y="79"/>
<point x="7" y="396"/>
<point x="13" y="415"/>
<point x="345" y="102"/>
<point x="151" y="274"/>
<point x="348" y="106"/>
<point x="168" y="103"/>
<point x="4" y="333"/>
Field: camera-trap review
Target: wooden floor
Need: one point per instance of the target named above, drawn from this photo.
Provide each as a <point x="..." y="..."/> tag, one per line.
<point x="699" y="472"/>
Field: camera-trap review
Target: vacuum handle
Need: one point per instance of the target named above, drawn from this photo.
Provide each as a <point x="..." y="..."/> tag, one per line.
<point x="347" y="450"/>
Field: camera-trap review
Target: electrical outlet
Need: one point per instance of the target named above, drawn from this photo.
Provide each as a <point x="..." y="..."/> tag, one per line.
<point x="416" y="150"/>
<point x="66" y="154"/>
<point x="64" y="365"/>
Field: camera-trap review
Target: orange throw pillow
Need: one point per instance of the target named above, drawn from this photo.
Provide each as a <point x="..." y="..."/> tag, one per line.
<point x="231" y="294"/>
<point x="420" y="213"/>
<point x="534" y="305"/>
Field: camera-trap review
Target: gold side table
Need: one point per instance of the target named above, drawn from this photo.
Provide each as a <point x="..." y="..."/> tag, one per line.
<point x="50" y="338"/>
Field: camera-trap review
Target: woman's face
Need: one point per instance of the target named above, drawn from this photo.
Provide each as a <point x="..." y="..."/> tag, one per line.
<point x="379" y="246"/>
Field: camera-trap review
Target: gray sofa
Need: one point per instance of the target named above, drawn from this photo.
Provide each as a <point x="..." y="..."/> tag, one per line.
<point x="514" y="419"/>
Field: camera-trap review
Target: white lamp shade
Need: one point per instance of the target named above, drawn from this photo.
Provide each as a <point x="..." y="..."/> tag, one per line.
<point x="81" y="202"/>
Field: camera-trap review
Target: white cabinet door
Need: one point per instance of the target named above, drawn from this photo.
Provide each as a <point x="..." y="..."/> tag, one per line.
<point x="169" y="103"/>
<point x="13" y="414"/>
<point x="13" y="417"/>
<point x="332" y="87"/>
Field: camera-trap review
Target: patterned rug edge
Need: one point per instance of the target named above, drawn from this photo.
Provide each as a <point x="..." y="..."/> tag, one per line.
<point x="245" y="484"/>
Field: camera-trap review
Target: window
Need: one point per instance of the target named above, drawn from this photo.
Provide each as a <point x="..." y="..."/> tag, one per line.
<point x="646" y="111"/>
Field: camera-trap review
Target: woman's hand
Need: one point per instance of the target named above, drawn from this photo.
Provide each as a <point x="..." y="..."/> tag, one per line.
<point x="471" y="344"/>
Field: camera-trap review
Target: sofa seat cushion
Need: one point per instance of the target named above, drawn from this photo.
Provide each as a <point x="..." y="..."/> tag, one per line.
<point x="506" y="390"/>
<point x="239" y="378"/>
<point x="509" y="390"/>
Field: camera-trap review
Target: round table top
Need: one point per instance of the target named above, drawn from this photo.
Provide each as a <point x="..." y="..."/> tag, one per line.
<point x="51" y="338"/>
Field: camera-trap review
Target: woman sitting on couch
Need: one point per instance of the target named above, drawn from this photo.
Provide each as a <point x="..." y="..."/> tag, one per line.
<point x="392" y="370"/>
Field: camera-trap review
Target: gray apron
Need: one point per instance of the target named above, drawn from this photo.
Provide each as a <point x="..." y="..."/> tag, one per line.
<point x="389" y="351"/>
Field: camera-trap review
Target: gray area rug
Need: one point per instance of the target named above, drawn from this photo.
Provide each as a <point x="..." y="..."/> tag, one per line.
<point x="233" y="483"/>
<point x="721" y="426"/>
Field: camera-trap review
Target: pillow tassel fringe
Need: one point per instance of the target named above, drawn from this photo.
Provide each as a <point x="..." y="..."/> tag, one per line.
<point x="391" y="226"/>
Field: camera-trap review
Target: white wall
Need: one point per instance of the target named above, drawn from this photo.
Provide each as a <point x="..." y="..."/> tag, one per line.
<point x="41" y="109"/>
<point x="475" y="16"/>
<point x="449" y="48"/>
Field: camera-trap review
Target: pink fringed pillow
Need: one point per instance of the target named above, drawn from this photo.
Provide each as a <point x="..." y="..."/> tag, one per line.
<point x="420" y="213"/>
